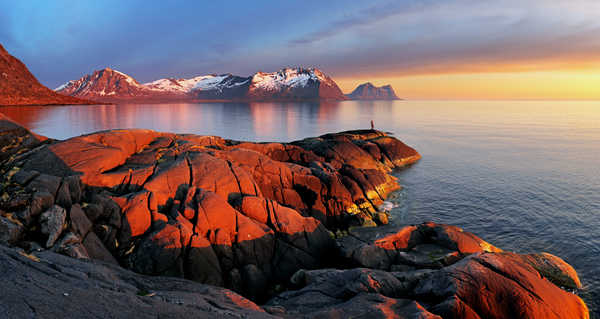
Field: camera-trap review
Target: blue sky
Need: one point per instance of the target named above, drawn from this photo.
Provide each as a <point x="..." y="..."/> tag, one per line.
<point x="62" y="40"/>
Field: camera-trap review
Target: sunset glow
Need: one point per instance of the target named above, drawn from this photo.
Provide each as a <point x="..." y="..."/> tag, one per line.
<point x="459" y="49"/>
<point x="560" y="85"/>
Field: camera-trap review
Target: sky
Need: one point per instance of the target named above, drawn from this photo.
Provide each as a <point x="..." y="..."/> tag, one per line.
<point x="426" y="49"/>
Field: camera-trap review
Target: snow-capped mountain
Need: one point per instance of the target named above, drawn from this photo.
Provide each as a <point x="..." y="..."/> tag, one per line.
<point x="294" y="84"/>
<point x="185" y="85"/>
<point x="368" y="91"/>
<point x="287" y="84"/>
<point x="106" y="85"/>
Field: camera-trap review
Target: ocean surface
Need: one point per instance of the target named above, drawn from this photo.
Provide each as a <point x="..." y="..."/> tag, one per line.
<point x="522" y="175"/>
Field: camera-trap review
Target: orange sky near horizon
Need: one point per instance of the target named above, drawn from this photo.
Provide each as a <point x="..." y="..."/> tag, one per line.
<point x="534" y="85"/>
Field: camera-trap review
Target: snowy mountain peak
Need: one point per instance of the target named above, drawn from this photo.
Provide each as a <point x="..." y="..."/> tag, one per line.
<point x="105" y="82"/>
<point x="287" y="77"/>
<point x="286" y="84"/>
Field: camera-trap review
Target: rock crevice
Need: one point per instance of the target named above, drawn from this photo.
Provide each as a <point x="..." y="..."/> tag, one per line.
<point x="258" y="218"/>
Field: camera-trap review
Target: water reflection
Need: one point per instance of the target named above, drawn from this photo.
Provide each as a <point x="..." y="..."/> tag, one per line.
<point x="251" y="121"/>
<point x="523" y="175"/>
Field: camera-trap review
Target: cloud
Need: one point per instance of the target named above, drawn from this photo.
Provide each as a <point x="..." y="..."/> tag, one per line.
<point x="458" y="37"/>
<point x="345" y="39"/>
<point x="363" y="16"/>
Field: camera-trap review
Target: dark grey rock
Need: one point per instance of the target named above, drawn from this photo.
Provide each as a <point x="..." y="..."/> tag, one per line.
<point x="45" y="182"/>
<point x="52" y="224"/>
<point x="63" y="196"/>
<point x="61" y="287"/>
<point x="40" y="201"/>
<point x="359" y="292"/>
<point x="70" y="245"/>
<point x="80" y="224"/>
<point x="255" y="282"/>
<point x="75" y="187"/>
<point x="10" y="232"/>
<point x="22" y="177"/>
<point x="96" y="249"/>
<point x="93" y="211"/>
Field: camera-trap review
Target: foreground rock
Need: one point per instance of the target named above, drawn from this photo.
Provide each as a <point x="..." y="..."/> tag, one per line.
<point x="48" y="285"/>
<point x="258" y="218"/>
<point x="431" y="270"/>
<point x="19" y="87"/>
<point x="235" y="214"/>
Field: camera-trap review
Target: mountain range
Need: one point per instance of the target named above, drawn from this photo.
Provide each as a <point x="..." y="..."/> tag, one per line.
<point x="19" y="87"/>
<point x="288" y="84"/>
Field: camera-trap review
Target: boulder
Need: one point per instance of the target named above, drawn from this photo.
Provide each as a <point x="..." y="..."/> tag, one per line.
<point x="497" y="285"/>
<point x="427" y="245"/>
<point x="52" y="224"/>
<point x="554" y="269"/>
<point x="331" y="293"/>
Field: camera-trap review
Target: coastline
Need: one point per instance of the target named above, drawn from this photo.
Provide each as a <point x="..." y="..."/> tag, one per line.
<point x="369" y="154"/>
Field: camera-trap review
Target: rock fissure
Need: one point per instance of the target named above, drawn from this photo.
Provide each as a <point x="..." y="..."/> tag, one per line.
<point x="193" y="220"/>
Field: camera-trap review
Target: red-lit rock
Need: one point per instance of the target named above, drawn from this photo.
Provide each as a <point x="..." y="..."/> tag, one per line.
<point x="212" y="209"/>
<point x="497" y="285"/>
<point x="248" y="216"/>
<point x="19" y="87"/>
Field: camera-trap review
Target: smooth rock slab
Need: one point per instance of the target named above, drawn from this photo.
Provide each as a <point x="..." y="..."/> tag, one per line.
<point x="331" y="293"/>
<point x="497" y="285"/>
<point x="57" y="286"/>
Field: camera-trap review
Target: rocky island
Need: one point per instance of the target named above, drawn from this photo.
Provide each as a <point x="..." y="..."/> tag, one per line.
<point x="369" y="92"/>
<point x="141" y="223"/>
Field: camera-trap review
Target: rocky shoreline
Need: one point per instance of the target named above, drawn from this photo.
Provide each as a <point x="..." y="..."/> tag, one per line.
<point x="273" y="222"/>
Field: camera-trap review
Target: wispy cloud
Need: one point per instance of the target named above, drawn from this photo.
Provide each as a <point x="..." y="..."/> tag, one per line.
<point x="60" y="41"/>
<point x="459" y="36"/>
<point x="362" y="17"/>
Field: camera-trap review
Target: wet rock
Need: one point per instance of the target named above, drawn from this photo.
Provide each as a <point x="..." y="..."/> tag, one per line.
<point x="52" y="224"/>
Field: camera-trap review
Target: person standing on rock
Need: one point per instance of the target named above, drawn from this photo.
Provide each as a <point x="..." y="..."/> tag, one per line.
<point x="372" y="125"/>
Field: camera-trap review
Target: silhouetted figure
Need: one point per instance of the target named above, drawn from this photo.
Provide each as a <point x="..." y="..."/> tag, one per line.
<point x="372" y="125"/>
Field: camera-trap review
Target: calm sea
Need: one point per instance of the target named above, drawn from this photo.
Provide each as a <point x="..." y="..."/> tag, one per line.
<point x="523" y="175"/>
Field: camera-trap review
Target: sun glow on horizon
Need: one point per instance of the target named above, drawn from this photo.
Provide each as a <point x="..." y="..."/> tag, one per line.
<point x="539" y="85"/>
